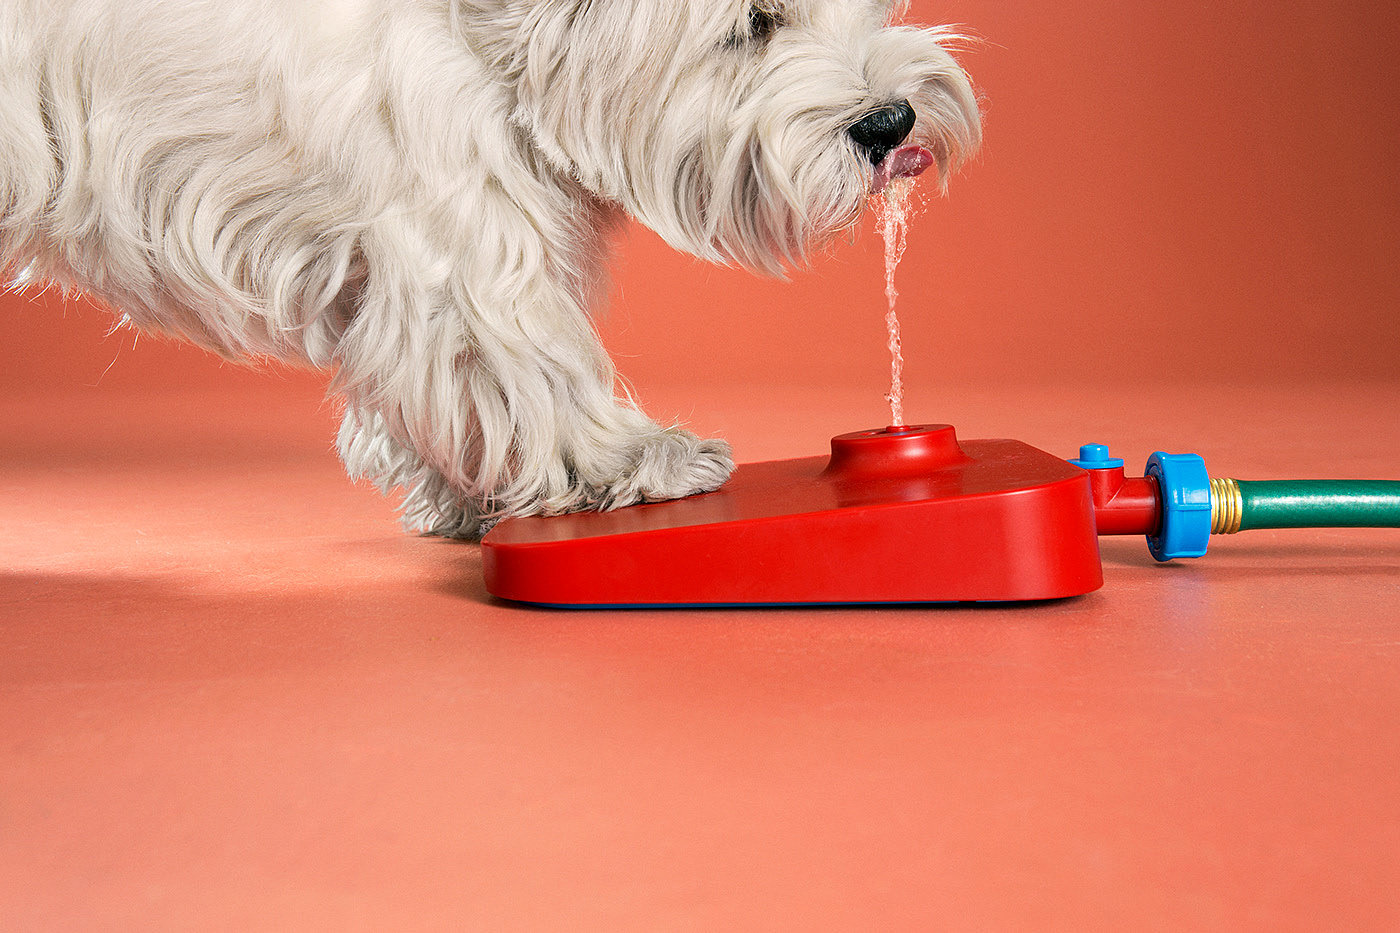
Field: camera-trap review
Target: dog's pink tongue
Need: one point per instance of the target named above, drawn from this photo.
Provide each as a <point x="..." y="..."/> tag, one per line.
<point x="904" y="162"/>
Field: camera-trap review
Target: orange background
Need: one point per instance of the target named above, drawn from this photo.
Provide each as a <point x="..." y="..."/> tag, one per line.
<point x="234" y="695"/>
<point x="1204" y="191"/>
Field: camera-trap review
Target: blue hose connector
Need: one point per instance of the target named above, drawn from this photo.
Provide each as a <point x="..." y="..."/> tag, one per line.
<point x="1185" y="497"/>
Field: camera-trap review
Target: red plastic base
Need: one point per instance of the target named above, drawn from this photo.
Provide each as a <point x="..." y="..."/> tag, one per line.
<point x="895" y="515"/>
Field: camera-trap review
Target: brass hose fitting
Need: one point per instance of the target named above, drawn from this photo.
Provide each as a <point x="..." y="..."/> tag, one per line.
<point x="1226" y="506"/>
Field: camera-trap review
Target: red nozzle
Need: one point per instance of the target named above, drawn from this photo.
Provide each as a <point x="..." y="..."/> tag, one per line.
<point x="1125" y="505"/>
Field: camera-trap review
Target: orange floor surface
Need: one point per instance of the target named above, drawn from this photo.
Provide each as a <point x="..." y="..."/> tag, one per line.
<point x="233" y="695"/>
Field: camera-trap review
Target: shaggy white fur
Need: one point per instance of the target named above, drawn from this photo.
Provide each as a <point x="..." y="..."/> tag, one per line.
<point x="417" y="193"/>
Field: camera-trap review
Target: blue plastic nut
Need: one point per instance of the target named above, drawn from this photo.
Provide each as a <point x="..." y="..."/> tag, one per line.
<point x="1095" y="457"/>
<point x="1185" y="496"/>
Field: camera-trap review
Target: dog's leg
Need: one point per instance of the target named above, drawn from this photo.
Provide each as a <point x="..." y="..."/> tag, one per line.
<point x="481" y="408"/>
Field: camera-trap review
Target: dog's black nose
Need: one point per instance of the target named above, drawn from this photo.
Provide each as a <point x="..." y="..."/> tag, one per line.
<point x="881" y="130"/>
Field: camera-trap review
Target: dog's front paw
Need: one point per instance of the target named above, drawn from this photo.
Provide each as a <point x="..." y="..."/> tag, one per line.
<point x="671" y="464"/>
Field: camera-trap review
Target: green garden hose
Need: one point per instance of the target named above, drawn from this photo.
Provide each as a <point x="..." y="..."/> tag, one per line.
<point x="1242" y="505"/>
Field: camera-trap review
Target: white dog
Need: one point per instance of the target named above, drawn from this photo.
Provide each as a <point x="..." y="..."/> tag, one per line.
<point x="418" y="193"/>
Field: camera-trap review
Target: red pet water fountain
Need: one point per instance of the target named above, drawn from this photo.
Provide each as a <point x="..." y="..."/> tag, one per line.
<point x="902" y="515"/>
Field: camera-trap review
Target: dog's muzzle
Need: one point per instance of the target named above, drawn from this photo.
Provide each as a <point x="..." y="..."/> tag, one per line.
<point x="880" y="134"/>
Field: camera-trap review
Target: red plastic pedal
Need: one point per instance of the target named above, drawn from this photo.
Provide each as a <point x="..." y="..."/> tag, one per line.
<point x="893" y="516"/>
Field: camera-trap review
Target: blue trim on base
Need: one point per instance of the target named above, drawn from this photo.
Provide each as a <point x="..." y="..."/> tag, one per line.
<point x="931" y="603"/>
